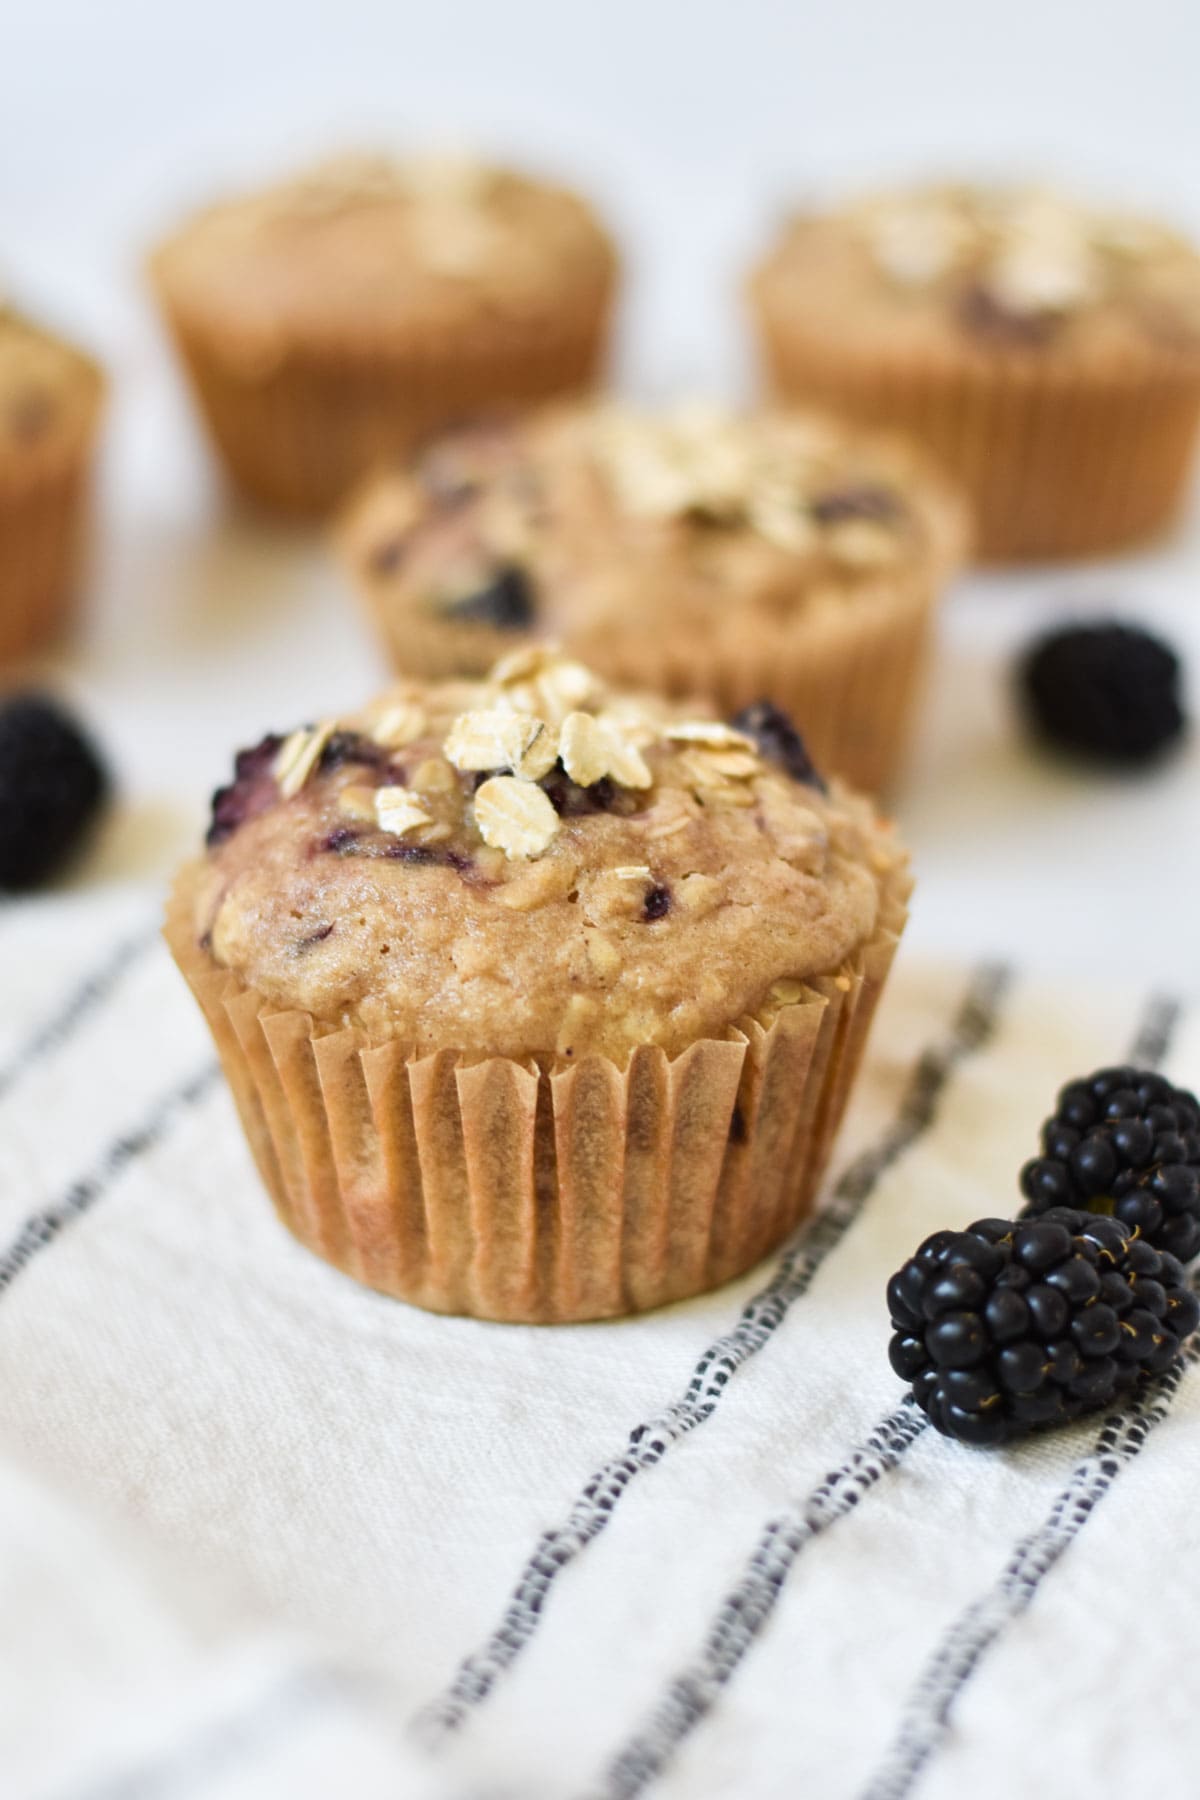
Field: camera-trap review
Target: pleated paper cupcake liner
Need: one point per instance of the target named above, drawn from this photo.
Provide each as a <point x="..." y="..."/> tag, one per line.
<point x="297" y="431"/>
<point x="42" y="518"/>
<point x="1057" y="462"/>
<point x="515" y="1192"/>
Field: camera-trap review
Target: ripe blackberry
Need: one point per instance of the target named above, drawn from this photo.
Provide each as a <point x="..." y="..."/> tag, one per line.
<point x="1125" y="1142"/>
<point x="1009" y="1326"/>
<point x="1104" y="691"/>
<point x="52" y="787"/>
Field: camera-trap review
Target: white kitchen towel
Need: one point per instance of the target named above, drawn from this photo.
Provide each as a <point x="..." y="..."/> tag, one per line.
<point x="264" y="1533"/>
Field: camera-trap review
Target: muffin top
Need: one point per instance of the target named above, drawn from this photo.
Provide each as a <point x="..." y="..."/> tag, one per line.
<point x="593" y="517"/>
<point x="49" y="393"/>
<point x="1020" y="269"/>
<point x="366" y="244"/>
<point x="535" y="867"/>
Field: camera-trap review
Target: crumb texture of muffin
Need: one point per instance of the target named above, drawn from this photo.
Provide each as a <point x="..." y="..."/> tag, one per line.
<point x="696" y="551"/>
<point x="1046" y="352"/>
<point x="50" y="397"/>
<point x="336" y="318"/>
<point x="538" y="1001"/>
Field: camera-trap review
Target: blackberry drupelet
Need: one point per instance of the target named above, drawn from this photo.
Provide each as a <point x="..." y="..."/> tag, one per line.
<point x="1105" y="691"/>
<point x="1010" y="1326"/>
<point x="1124" y="1141"/>
<point x="52" y="788"/>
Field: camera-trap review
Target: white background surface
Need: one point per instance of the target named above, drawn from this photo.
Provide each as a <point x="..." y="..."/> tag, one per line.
<point x="689" y="123"/>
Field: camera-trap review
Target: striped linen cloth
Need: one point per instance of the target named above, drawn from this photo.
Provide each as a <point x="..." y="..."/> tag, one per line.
<point x="263" y="1533"/>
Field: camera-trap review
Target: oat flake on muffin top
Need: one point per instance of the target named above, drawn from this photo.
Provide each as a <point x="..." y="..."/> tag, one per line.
<point x="1006" y="268"/>
<point x="372" y="244"/>
<point x="533" y="866"/>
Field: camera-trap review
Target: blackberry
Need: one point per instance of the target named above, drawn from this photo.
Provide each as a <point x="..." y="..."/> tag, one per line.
<point x="1010" y="1326"/>
<point x="1107" y="692"/>
<point x="506" y="601"/>
<point x="778" y="741"/>
<point x="1125" y="1142"/>
<point x="52" y="788"/>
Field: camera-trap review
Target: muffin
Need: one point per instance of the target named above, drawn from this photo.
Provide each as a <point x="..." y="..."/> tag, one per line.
<point x="50" y="398"/>
<point x="538" y="1002"/>
<point x="1048" y="355"/>
<point x="741" y="557"/>
<point x="333" y="320"/>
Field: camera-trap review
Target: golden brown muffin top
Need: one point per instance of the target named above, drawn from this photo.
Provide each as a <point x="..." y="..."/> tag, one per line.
<point x="989" y="269"/>
<point x="535" y="867"/>
<point x="49" y="393"/>
<point x="597" y="518"/>
<point x="367" y="245"/>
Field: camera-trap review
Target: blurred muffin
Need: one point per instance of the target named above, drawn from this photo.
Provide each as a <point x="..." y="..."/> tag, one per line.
<point x="538" y="1002"/>
<point x="1048" y="355"/>
<point x="696" y="552"/>
<point x="331" y="321"/>
<point x="50" y="397"/>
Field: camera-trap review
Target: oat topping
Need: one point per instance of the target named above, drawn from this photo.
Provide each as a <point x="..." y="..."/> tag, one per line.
<point x="699" y="462"/>
<point x="1030" y="253"/>
<point x="399" y="725"/>
<point x="502" y="740"/>
<point x="514" y="816"/>
<point x="398" y="810"/>
<point x="507" y="773"/>
<point x="299" y="756"/>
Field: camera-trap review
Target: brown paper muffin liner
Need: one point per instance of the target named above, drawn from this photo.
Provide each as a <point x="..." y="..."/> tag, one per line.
<point x="1057" y="463"/>
<point x="297" y="431"/>
<point x="42" y="516"/>
<point x="514" y="1192"/>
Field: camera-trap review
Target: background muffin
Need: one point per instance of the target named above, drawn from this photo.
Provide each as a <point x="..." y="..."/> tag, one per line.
<point x="695" y="552"/>
<point x="1048" y="355"/>
<point x="334" y="319"/>
<point x="537" y="1002"/>
<point x="50" y="399"/>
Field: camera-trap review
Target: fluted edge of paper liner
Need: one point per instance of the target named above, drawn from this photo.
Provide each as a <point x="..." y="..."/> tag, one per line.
<point x="1058" y="461"/>
<point x="42" y="523"/>
<point x="491" y="1187"/>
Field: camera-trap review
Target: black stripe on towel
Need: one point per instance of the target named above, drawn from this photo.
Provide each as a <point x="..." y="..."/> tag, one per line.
<point x="746" y="1610"/>
<point x="41" y="1229"/>
<point x="87" y="997"/>
<point x="747" y="1607"/>
<point x="925" y="1717"/>
<point x="650" y="1442"/>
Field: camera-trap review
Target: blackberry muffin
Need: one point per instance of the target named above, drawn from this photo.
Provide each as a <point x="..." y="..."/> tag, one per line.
<point x="336" y="318"/>
<point x="50" y="397"/>
<point x="539" y="1002"/>
<point x="1045" y="352"/>
<point x="694" y="551"/>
